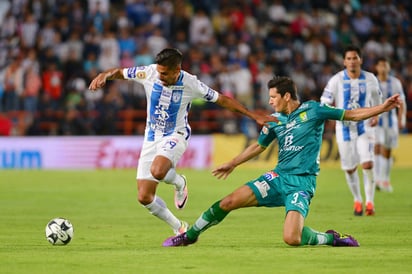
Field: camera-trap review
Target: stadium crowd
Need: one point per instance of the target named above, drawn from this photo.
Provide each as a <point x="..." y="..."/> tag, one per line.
<point x="51" y="49"/>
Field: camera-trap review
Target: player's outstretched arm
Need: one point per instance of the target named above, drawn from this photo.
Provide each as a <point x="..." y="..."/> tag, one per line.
<point x="250" y="152"/>
<point x="365" y="113"/>
<point x="100" y="80"/>
<point x="236" y="106"/>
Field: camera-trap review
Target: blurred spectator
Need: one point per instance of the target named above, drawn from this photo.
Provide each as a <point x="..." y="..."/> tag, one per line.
<point x="72" y="124"/>
<point x="13" y="85"/>
<point x="32" y="87"/>
<point x="53" y="84"/>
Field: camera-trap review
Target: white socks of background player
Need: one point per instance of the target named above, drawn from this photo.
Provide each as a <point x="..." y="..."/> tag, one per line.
<point x="353" y="183"/>
<point x="369" y="184"/>
<point x="159" y="209"/>
<point x="377" y="168"/>
<point x="174" y="179"/>
<point x="385" y="168"/>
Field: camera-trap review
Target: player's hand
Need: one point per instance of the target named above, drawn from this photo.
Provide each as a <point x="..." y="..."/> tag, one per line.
<point x="264" y="119"/>
<point x="98" y="82"/>
<point x="374" y="121"/>
<point x="223" y="171"/>
<point x="392" y="102"/>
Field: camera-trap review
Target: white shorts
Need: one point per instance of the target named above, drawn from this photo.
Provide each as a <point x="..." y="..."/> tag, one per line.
<point x="171" y="147"/>
<point x="357" y="151"/>
<point x="387" y="137"/>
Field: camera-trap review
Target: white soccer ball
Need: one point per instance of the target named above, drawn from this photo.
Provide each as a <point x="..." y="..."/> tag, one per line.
<point x="59" y="231"/>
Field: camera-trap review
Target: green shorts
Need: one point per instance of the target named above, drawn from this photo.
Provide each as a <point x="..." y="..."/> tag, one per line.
<point x="294" y="192"/>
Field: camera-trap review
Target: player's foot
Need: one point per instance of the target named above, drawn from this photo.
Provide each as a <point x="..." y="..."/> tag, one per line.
<point x="386" y="187"/>
<point x="181" y="195"/>
<point x="358" y="208"/>
<point x="370" y="209"/>
<point x="179" y="240"/>
<point x="342" y="239"/>
<point x="182" y="229"/>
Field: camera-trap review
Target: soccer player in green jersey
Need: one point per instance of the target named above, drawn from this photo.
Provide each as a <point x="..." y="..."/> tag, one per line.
<point x="292" y="182"/>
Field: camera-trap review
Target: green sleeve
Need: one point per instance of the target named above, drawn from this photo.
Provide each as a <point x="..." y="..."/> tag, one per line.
<point x="267" y="135"/>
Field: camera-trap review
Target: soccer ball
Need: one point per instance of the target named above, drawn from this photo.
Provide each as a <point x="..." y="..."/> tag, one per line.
<point x="59" y="231"/>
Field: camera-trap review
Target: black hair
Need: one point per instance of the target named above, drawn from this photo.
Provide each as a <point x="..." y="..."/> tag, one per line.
<point x="352" y="48"/>
<point x="283" y="84"/>
<point x="169" y="57"/>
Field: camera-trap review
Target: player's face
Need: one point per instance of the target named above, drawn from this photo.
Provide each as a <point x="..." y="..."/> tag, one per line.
<point x="278" y="102"/>
<point x="352" y="61"/>
<point x="383" y="68"/>
<point x="167" y="75"/>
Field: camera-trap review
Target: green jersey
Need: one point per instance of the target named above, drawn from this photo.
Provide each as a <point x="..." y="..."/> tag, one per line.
<point x="299" y="136"/>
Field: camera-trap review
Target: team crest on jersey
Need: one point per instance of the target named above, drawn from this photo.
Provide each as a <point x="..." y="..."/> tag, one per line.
<point x="270" y="175"/>
<point x="303" y="116"/>
<point x="265" y="130"/>
<point x="131" y="72"/>
<point x="176" y="96"/>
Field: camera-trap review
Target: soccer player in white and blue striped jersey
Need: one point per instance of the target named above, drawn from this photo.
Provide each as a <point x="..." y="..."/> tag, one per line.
<point x="387" y="130"/>
<point x="354" y="88"/>
<point x="169" y="93"/>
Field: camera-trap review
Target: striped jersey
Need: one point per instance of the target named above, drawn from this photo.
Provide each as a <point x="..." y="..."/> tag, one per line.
<point x="347" y="93"/>
<point x="390" y="87"/>
<point x="168" y="106"/>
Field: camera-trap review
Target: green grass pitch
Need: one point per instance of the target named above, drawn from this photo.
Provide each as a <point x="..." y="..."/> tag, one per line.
<point x="114" y="234"/>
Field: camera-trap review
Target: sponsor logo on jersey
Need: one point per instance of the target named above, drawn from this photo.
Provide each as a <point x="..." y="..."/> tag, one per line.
<point x="270" y="175"/>
<point x="209" y="95"/>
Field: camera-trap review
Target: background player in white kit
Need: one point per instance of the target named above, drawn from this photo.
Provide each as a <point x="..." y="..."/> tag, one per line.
<point x="387" y="130"/>
<point x="169" y="93"/>
<point x="353" y="88"/>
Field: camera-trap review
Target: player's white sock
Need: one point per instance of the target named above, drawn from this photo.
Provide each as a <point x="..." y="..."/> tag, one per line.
<point x="369" y="184"/>
<point x="377" y="167"/>
<point x="175" y="179"/>
<point x="159" y="209"/>
<point x="386" y="164"/>
<point x="353" y="183"/>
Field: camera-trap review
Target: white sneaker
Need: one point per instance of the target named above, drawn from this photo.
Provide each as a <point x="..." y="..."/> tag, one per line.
<point x="181" y="195"/>
<point x="184" y="226"/>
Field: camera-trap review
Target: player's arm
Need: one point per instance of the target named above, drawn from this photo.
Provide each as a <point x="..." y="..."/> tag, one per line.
<point x="236" y="106"/>
<point x="365" y="113"/>
<point x="402" y="115"/>
<point x="250" y="152"/>
<point x="100" y="80"/>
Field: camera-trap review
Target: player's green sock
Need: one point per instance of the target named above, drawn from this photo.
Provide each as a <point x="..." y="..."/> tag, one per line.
<point x="312" y="237"/>
<point x="210" y="217"/>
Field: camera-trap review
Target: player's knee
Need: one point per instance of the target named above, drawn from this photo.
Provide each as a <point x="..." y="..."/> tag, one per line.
<point x="157" y="173"/>
<point x="227" y="203"/>
<point x="144" y="198"/>
<point x="367" y="165"/>
<point x="292" y="239"/>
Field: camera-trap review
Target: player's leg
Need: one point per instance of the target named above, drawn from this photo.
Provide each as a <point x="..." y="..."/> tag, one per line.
<point x="386" y="164"/>
<point x="390" y="142"/>
<point x="377" y="167"/>
<point x="146" y="188"/>
<point x="242" y="197"/>
<point x="349" y="161"/>
<point x="168" y="153"/>
<point x="365" y="147"/>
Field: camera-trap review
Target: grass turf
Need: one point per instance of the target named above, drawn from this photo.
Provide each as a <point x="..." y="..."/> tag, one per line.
<point x="113" y="234"/>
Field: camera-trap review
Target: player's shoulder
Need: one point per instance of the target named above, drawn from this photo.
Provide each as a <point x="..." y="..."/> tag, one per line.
<point x="337" y="77"/>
